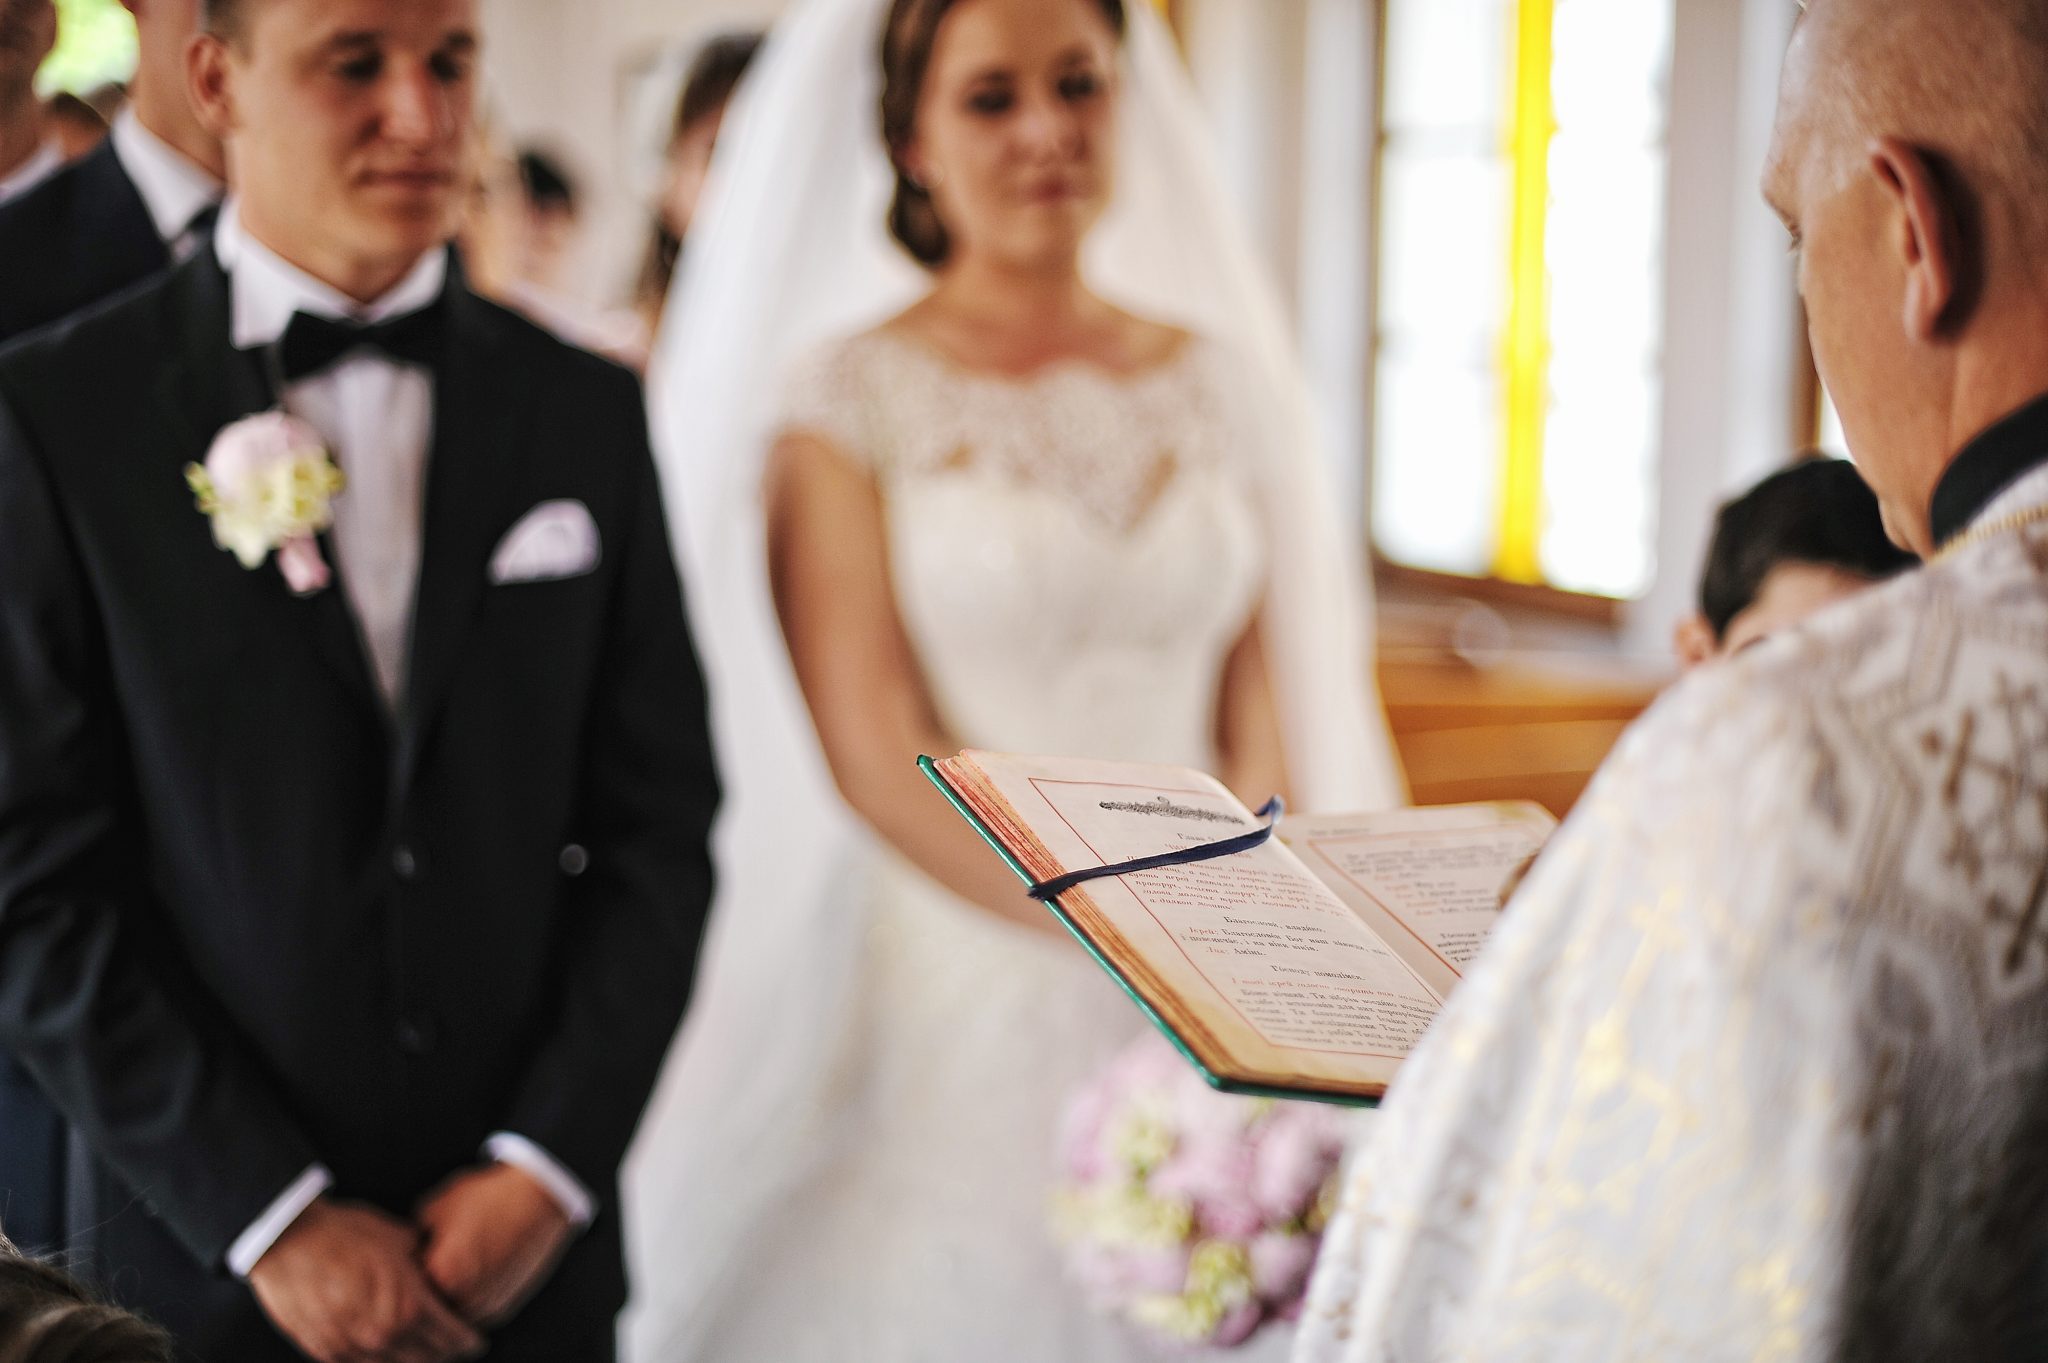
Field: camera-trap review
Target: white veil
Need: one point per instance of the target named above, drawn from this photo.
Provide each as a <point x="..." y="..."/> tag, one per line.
<point x="791" y="249"/>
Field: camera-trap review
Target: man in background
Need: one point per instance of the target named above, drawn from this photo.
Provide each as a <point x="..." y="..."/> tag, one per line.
<point x="28" y="156"/>
<point x="143" y="199"/>
<point x="93" y="228"/>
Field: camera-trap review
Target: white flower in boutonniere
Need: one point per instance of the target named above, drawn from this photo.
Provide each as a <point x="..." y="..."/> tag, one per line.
<point x="267" y="484"/>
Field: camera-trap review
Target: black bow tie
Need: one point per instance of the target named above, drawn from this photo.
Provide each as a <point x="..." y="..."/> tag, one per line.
<point x="310" y="344"/>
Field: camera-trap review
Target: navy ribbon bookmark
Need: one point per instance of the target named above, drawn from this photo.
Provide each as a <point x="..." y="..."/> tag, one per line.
<point x="1051" y="890"/>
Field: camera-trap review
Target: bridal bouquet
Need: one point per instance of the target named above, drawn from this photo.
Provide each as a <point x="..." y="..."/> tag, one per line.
<point x="1192" y="1214"/>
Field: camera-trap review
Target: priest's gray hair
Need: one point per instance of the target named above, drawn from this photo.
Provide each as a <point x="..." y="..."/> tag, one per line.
<point x="1965" y="81"/>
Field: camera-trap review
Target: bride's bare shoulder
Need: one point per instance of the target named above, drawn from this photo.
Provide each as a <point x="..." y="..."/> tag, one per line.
<point x="920" y="321"/>
<point x="1147" y="343"/>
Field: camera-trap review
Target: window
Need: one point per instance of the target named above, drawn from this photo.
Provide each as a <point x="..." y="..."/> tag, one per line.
<point x="95" y="45"/>
<point x="1519" y="322"/>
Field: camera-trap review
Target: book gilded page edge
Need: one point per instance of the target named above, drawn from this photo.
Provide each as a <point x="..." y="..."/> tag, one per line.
<point x="937" y="773"/>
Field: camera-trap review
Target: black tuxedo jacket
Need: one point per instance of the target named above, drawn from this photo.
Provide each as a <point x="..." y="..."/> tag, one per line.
<point x="247" y="919"/>
<point x="76" y="239"/>
<point x="80" y="236"/>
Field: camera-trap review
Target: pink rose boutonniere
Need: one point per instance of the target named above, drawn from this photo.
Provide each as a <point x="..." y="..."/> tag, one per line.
<point x="268" y="485"/>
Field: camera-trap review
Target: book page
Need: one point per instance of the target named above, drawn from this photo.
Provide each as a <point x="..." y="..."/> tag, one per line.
<point x="1251" y="953"/>
<point x="1430" y="882"/>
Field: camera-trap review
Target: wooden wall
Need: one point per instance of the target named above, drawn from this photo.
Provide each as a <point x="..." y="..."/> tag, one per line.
<point x="1508" y="723"/>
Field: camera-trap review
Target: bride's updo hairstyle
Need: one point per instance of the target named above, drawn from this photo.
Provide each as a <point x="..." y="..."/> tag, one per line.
<point x="906" y="56"/>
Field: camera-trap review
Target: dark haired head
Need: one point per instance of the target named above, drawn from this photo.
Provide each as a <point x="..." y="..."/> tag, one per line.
<point x="907" y="43"/>
<point x="1817" y="512"/>
<point x="712" y="78"/>
<point x="546" y="183"/>
<point x="47" y="1317"/>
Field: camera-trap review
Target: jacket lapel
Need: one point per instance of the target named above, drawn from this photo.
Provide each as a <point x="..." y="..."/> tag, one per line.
<point x="473" y="478"/>
<point x="115" y="239"/>
<point x="209" y="385"/>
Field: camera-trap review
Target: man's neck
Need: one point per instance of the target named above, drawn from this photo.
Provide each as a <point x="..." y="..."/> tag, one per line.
<point x="167" y="117"/>
<point x="21" y="130"/>
<point x="360" y="280"/>
<point x="1994" y="376"/>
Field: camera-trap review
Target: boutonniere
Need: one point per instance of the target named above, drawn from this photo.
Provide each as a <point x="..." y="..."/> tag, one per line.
<point x="268" y="485"/>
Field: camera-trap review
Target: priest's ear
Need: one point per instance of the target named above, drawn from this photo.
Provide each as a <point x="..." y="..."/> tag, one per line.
<point x="1694" y="642"/>
<point x="1926" y="233"/>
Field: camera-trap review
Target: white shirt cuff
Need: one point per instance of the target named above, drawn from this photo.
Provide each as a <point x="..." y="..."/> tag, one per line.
<point x="255" y="1242"/>
<point x="575" y="1200"/>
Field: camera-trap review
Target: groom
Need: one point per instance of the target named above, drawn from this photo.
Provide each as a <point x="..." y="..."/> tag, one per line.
<point x="346" y="925"/>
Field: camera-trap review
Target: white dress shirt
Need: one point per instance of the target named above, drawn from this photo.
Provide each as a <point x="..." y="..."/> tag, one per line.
<point x="376" y="414"/>
<point x="46" y="160"/>
<point x="174" y="189"/>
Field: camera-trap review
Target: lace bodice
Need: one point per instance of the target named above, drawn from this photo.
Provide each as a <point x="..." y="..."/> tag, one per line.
<point x="1074" y="552"/>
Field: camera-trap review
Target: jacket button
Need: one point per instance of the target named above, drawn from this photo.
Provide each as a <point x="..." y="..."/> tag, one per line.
<point x="575" y="861"/>
<point x="416" y="1035"/>
<point x="405" y="863"/>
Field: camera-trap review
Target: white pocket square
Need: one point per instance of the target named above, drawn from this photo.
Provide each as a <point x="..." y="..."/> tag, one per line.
<point x="553" y="541"/>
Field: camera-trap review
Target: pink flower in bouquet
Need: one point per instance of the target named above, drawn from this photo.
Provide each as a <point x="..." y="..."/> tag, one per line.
<point x="1238" y="1325"/>
<point x="1280" y="1265"/>
<point x="1293" y="1157"/>
<point x="1109" y="1275"/>
<point x="1189" y="1213"/>
<point x="1215" y="1177"/>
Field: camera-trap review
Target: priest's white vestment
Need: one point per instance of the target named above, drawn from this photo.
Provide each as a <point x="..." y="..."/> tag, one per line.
<point x="1756" y="1066"/>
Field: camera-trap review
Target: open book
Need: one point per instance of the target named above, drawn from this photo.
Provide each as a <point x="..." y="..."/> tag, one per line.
<point x="1307" y="967"/>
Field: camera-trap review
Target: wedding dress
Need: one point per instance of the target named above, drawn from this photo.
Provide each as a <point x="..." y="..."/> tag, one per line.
<point x="1074" y="555"/>
<point x="848" y="1156"/>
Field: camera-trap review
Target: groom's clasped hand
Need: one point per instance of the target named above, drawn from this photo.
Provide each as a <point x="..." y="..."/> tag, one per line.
<point x="493" y="1236"/>
<point x="348" y="1281"/>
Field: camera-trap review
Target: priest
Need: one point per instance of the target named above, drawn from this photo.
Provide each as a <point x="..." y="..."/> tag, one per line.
<point x="1757" y="1065"/>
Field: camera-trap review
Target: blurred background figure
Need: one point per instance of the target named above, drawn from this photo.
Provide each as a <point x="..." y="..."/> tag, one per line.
<point x="713" y="78"/>
<point x="518" y="239"/>
<point x="547" y="220"/>
<point x="1798" y="542"/>
<point x="73" y="124"/>
<point x="47" y="1316"/>
<point x="145" y="197"/>
<point x="29" y="154"/>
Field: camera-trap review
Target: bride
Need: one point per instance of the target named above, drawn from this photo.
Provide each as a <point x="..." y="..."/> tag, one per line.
<point x="1023" y="501"/>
